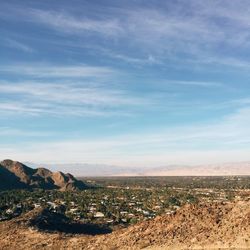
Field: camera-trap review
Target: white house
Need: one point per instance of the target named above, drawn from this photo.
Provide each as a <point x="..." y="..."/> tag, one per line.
<point x="99" y="215"/>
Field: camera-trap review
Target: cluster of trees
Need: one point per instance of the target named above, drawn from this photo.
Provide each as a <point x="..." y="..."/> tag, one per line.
<point x="215" y="182"/>
<point x="115" y="204"/>
<point x="143" y="199"/>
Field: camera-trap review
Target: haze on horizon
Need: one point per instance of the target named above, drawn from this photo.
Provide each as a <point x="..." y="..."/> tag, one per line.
<point x="125" y="83"/>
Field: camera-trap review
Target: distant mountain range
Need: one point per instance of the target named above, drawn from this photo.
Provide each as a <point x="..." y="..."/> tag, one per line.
<point x="14" y="175"/>
<point x="225" y="169"/>
<point x="84" y="169"/>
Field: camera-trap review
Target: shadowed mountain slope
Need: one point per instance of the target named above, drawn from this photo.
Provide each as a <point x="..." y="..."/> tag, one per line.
<point x="14" y="174"/>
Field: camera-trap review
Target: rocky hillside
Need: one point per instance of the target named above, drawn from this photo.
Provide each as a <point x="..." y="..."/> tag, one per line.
<point x="206" y="226"/>
<point x="203" y="226"/>
<point x="14" y="174"/>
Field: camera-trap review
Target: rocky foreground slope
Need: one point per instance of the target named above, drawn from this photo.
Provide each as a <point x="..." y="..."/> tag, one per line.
<point x="203" y="226"/>
<point x="15" y="175"/>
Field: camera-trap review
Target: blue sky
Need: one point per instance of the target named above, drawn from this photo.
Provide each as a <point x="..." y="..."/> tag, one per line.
<point x="127" y="83"/>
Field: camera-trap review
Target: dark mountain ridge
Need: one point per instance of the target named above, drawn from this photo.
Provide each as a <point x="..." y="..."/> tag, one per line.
<point x="15" y="175"/>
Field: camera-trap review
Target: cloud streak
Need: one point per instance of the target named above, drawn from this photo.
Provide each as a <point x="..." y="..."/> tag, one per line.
<point x="17" y="45"/>
<point x="54" y="71"/>
<point x="67" y="23"/>
<point x="65" y="98"/>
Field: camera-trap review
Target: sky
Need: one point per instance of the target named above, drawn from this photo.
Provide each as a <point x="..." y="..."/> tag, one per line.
<point x="125" y="83"/>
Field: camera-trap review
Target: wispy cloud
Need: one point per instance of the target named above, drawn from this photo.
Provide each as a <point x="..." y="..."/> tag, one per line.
<point x="148" y="60"/>
<point x="70" y="93"/>
<point x="19" y="107"/>
<point x="211" y="60"/>
<point x="195" y="83"/>
<point x="156" y="34"/>
<point x="67" y="23"/>
<point x="58" y="71"/>
<point x="17" y="45"/>
<point x="164" y="34"/>
<point x="65" y="98"/>
<point x="11" y="132"/>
